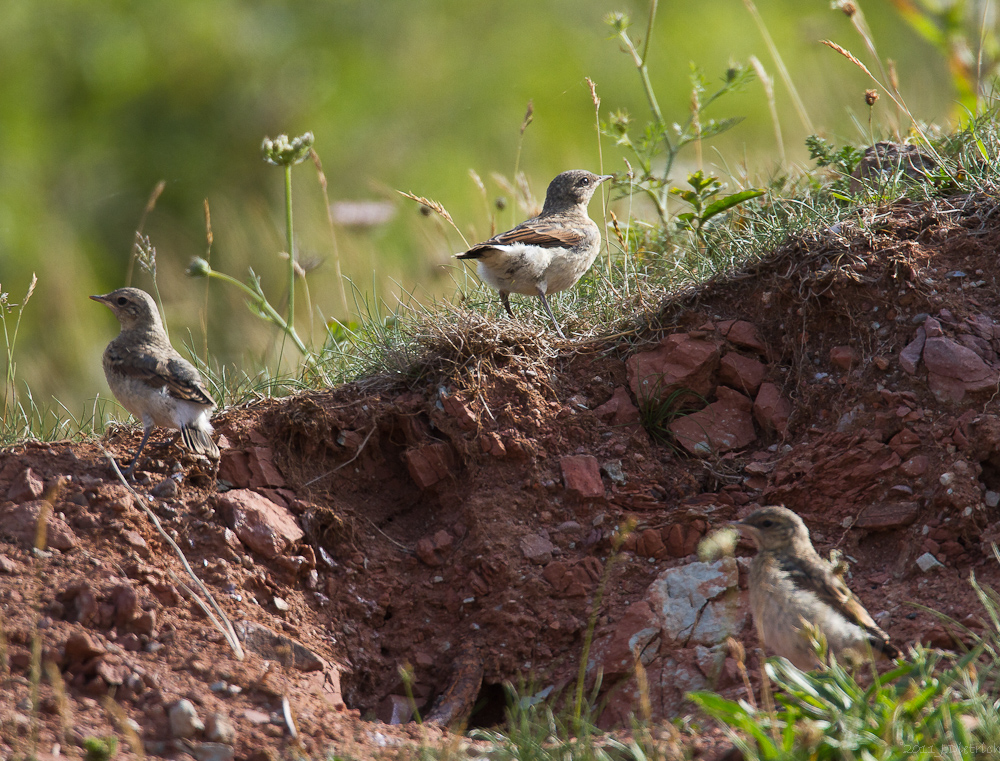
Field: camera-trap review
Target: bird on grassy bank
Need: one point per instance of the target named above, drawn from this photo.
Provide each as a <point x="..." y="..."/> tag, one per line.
<point x="548" y="253"/>
<point x="151" y="380"/>
<point x="794" y="593"/>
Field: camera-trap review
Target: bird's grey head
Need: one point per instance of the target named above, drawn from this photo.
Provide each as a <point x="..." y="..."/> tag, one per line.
<point x="572" y="188"/>
<point x="774" y="528"/>
<point x="133" y="308"/>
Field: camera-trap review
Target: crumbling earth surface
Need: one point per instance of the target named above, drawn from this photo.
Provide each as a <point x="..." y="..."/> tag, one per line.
<point x="422" y="539"/>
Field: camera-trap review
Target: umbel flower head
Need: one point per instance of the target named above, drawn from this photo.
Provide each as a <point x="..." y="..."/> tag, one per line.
<point x="618" y="21"/>
<point x="284" y="152"/>
<point x="199" y="268"/>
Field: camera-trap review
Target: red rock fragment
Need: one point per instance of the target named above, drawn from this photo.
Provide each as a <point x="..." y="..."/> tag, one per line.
<point x="582" y="476"/>
<point x="79" y="648"/>
<point x="650" y="544"/>
<point x="79" y="602"/>
<point x="460" y="411"/>
<point x="429" y="464"/>
<point x="680" y="362"/>
<point x="573" y="580"/>
<point x="126" y="603"/>
<point x="619" y="410"/>
<point x="843" y="357"/>
<point x="21" y="523"/>
<point x="264" y="471"/>
<point x="909" y="357"/>
<point x="234" y="468"/>
<point x="111" y="672"/>
<point x="722" y="426"/>
<point x="953" y="370"/>
<point x="888" y="515"/>
<point x="952" y="549"/>
<point x="681" y="541"/>
<point x="492" y="444"/>
<point x="771" y="409"/>
<point x="536" y="549"/>
<point x="145" y="623"/>
<point x="916" y="466"/>
<point x="741" y="373"/>
<point x="744" y="334"/>
<point x="259" y="523"/>
<point x="27" y="486"/>
<point x="432" y="549"/>
<point x="633" y="634"/>
<point x="904" y="442"/>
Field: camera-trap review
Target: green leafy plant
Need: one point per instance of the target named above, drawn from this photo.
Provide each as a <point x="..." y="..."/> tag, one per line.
<point x="842" y="160"/>
<point x="660" y="142"/>
<point x="100" y="748"/>
<point x="658" y="410"/>
<point x="704" y="203"/>
<point x="827" y="714"/>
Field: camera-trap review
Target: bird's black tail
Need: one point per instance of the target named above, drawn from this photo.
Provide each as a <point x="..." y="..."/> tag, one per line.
<point x="476" y="252"/>
<point x="199" y="440"/>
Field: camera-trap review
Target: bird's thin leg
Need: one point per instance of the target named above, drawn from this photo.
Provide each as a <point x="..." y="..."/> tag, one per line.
<point x="541" y="295"/>
<point x="505" y="298"/>
<point x="131" y="466"/>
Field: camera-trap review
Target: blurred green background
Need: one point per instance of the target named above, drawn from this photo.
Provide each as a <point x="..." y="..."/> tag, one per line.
<point x="100" y="100"/>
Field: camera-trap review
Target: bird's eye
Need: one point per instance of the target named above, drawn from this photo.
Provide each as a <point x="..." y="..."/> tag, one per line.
<point x="767" y="524"/>
<point x="122" y="301"/>
<point x="585" y="181"/>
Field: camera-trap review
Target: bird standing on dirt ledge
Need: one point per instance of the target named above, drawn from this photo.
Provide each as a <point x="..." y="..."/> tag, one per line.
<point x="793" y="590"/>
<point x="548" y="253"/>
<point x="151" y="380"/>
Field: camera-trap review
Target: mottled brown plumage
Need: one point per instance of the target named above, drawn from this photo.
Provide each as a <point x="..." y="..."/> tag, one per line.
<point x="793" y="589"/>
<point x="151" y="380"/>
<point x="548" y="253"/>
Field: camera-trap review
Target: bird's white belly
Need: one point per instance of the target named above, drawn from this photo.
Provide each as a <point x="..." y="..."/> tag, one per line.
<point x="782" y="614"/>
<point x="530" y="269"/>
<point x="156" y="407"/>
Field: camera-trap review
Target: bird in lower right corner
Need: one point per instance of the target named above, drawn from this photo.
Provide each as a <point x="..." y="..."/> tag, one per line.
<point x="793" y="590"/>
<point x="150" y="379"/>
<point x="548" y="253"/>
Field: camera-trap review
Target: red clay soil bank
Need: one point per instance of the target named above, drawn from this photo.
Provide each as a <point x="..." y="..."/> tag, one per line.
<point x="459" y="526"/>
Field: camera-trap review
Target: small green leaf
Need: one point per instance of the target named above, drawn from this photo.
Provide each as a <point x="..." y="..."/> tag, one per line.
<point x="728" y="202"/>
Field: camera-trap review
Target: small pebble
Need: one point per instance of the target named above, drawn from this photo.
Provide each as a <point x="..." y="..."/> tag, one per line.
<point x="927" y="561"/>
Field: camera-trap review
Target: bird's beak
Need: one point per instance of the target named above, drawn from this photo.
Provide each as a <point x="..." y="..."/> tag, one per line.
<point x="102" y="299"/>
<point x="604" y="177"/>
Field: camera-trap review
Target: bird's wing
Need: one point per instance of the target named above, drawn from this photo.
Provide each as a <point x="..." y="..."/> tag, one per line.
<point x="176" y="374"/>
<point x="814" y="576"/>
<point x="534" y="232"/>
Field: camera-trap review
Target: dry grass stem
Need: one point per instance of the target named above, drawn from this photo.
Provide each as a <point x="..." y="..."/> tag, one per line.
<point x="595" y="99"/>
<point x="286" y="711"/>
<point x="223" y="625"/>
<point x="899" y="103"/>
<point x="209" y="240"/>
<point x="344" y="464"/>
<point x="150" y="205"/>
<point x="782" y="70"/>
<point x="342" y="292"/>
<point x="767" y="82"/>
<point x="63" y="707"/>
<point x="438" y="209"/>
<point x="120" y="718"/>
